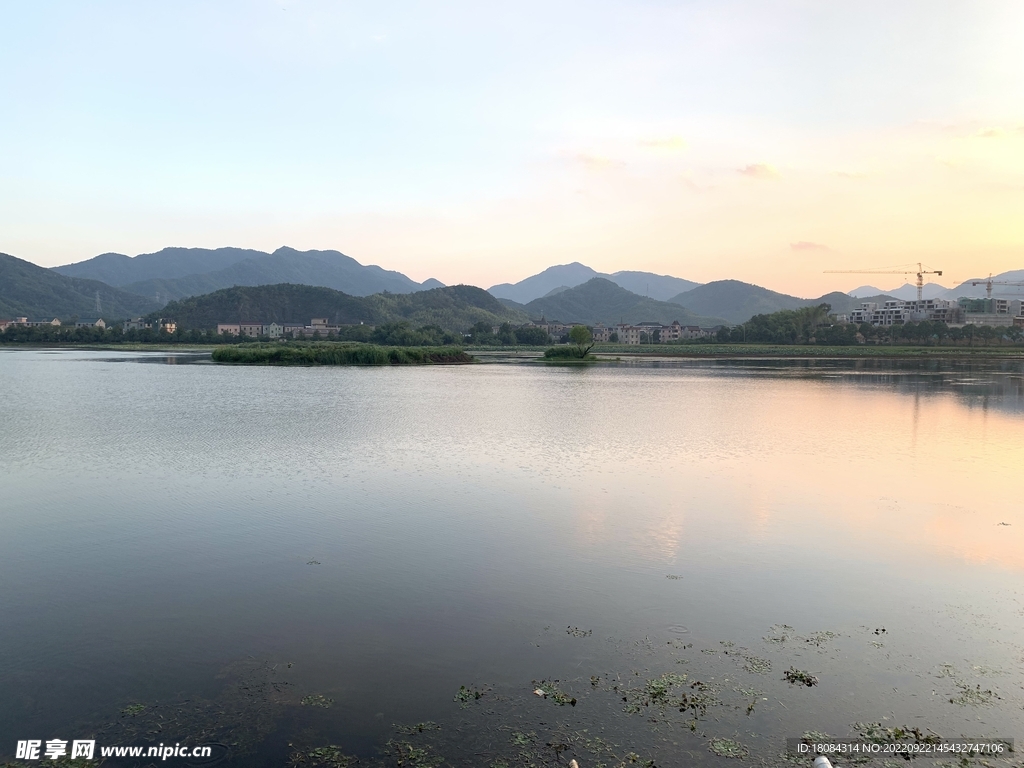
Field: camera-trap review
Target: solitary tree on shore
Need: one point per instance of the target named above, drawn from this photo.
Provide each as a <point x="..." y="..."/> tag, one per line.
<point x="581" y="336"/>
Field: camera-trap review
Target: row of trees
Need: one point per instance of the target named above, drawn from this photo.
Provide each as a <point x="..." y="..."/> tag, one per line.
<point x="399" y="334"/>
<point x="58" y="334"/>
<point x="482" y="333"/>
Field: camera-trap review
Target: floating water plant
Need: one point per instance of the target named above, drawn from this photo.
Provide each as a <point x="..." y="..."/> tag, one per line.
<point x="577" y="632"/>
<point x="406" y="754"/>
<point x="133" y="709"/>
<point x="975" y="696"/>
<point x="317" y="700"/>
<point x="322" y="757"/>
<point x="756" y="665"/>
<point x="522" y="739"/>
<point x="799" y="677"/>
<point x="778" y="634"/>
<point x="820" y="638"/>
<point x="654" y="692"/>
<point x="408" y="730"/>
<point x="550" y="690"/>
<point x="465" y="695"/>
<point x="727" y="748"/>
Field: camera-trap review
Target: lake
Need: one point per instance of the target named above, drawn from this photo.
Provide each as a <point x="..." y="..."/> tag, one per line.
<point x="390" y="561"/>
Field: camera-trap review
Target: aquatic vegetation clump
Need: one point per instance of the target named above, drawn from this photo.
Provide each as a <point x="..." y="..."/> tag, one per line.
<point x="654" y="692"/>
<point x="408" y="730"/>
<point x="975" y="696"/>
<point x="799" y="677"/>
<point x="550" y="690"/>
<point x="820" y="638"/>
<point x="407" y="754"/>
<point x="748" y="691"/>
<point x="317" y="700"/>
<point x="465" y="695"/>
<point x="727" y="748"/>
<point x="577" y="632"/>
<point x="778" y="634"/>
<point x="880" y="734"/>
<point x="567" y="353"/>
<point x="756" y="665"/>
<point x="133" y="710"/>
<point x="522" y="739"/>
<point x="332" y="353"/>
<point x="330" y="756"/>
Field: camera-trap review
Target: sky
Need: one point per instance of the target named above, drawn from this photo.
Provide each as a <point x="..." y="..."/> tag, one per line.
<point x="481" y="142"/>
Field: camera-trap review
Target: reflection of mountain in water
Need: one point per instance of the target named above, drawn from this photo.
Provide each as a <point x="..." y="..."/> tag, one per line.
<point x="997" y="384"/>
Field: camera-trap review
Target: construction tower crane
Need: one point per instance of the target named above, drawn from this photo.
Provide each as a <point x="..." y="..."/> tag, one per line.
<point x="988" y="282"/>
<point x="921" y="272"/>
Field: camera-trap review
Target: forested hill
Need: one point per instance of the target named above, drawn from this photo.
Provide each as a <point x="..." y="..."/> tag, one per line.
<point x="30" y="290"/>
<point x="454" y="308"/>
<point x="602" y="301"/>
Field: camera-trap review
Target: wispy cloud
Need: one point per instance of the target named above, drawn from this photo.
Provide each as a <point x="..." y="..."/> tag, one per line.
<point x="595" y="162"/>
<point x="990" y="133"/>
<point x="807" y="245"/>
<point x="761" y="171"/>
<point x="851" y="174"/>
<point x="665" y="144"/>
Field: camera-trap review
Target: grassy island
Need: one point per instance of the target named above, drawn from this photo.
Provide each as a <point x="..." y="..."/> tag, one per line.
<point x="332" y="353"/>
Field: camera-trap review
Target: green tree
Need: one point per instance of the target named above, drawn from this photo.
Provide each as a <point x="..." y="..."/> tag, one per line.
<point x="531" y="336"/>
<point x="581" y="336"/>
<point x="506" y="336"/>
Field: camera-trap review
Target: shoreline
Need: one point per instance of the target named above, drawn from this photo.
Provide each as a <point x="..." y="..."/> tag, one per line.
<point x="614" y="353"/>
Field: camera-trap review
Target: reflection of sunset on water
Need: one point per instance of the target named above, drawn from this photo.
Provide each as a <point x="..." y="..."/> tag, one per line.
<point x="773" y="462"/>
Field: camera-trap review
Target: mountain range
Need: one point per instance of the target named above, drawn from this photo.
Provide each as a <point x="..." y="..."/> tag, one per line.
<point x="174" y="273"/>
<point x="737" y="302"/>
<point x="973" y="288"/>
<point x="115" y="286"/>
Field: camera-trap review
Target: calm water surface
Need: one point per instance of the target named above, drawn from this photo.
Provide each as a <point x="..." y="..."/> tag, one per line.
<point x="189" y="551"/>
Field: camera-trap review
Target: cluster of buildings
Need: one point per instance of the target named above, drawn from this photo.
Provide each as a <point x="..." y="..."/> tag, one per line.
<point x="649" y="333"/>
<point x="317" y="326"/>
<point x="38" y="322"/>
<point x="626" y="333"/>
<point x="142" y="324"/>
<point x="137" y="324"/>
<point x="993" y="312"/>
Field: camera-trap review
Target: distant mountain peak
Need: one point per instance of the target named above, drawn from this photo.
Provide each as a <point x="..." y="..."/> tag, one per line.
<point x="571" y="275"/>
